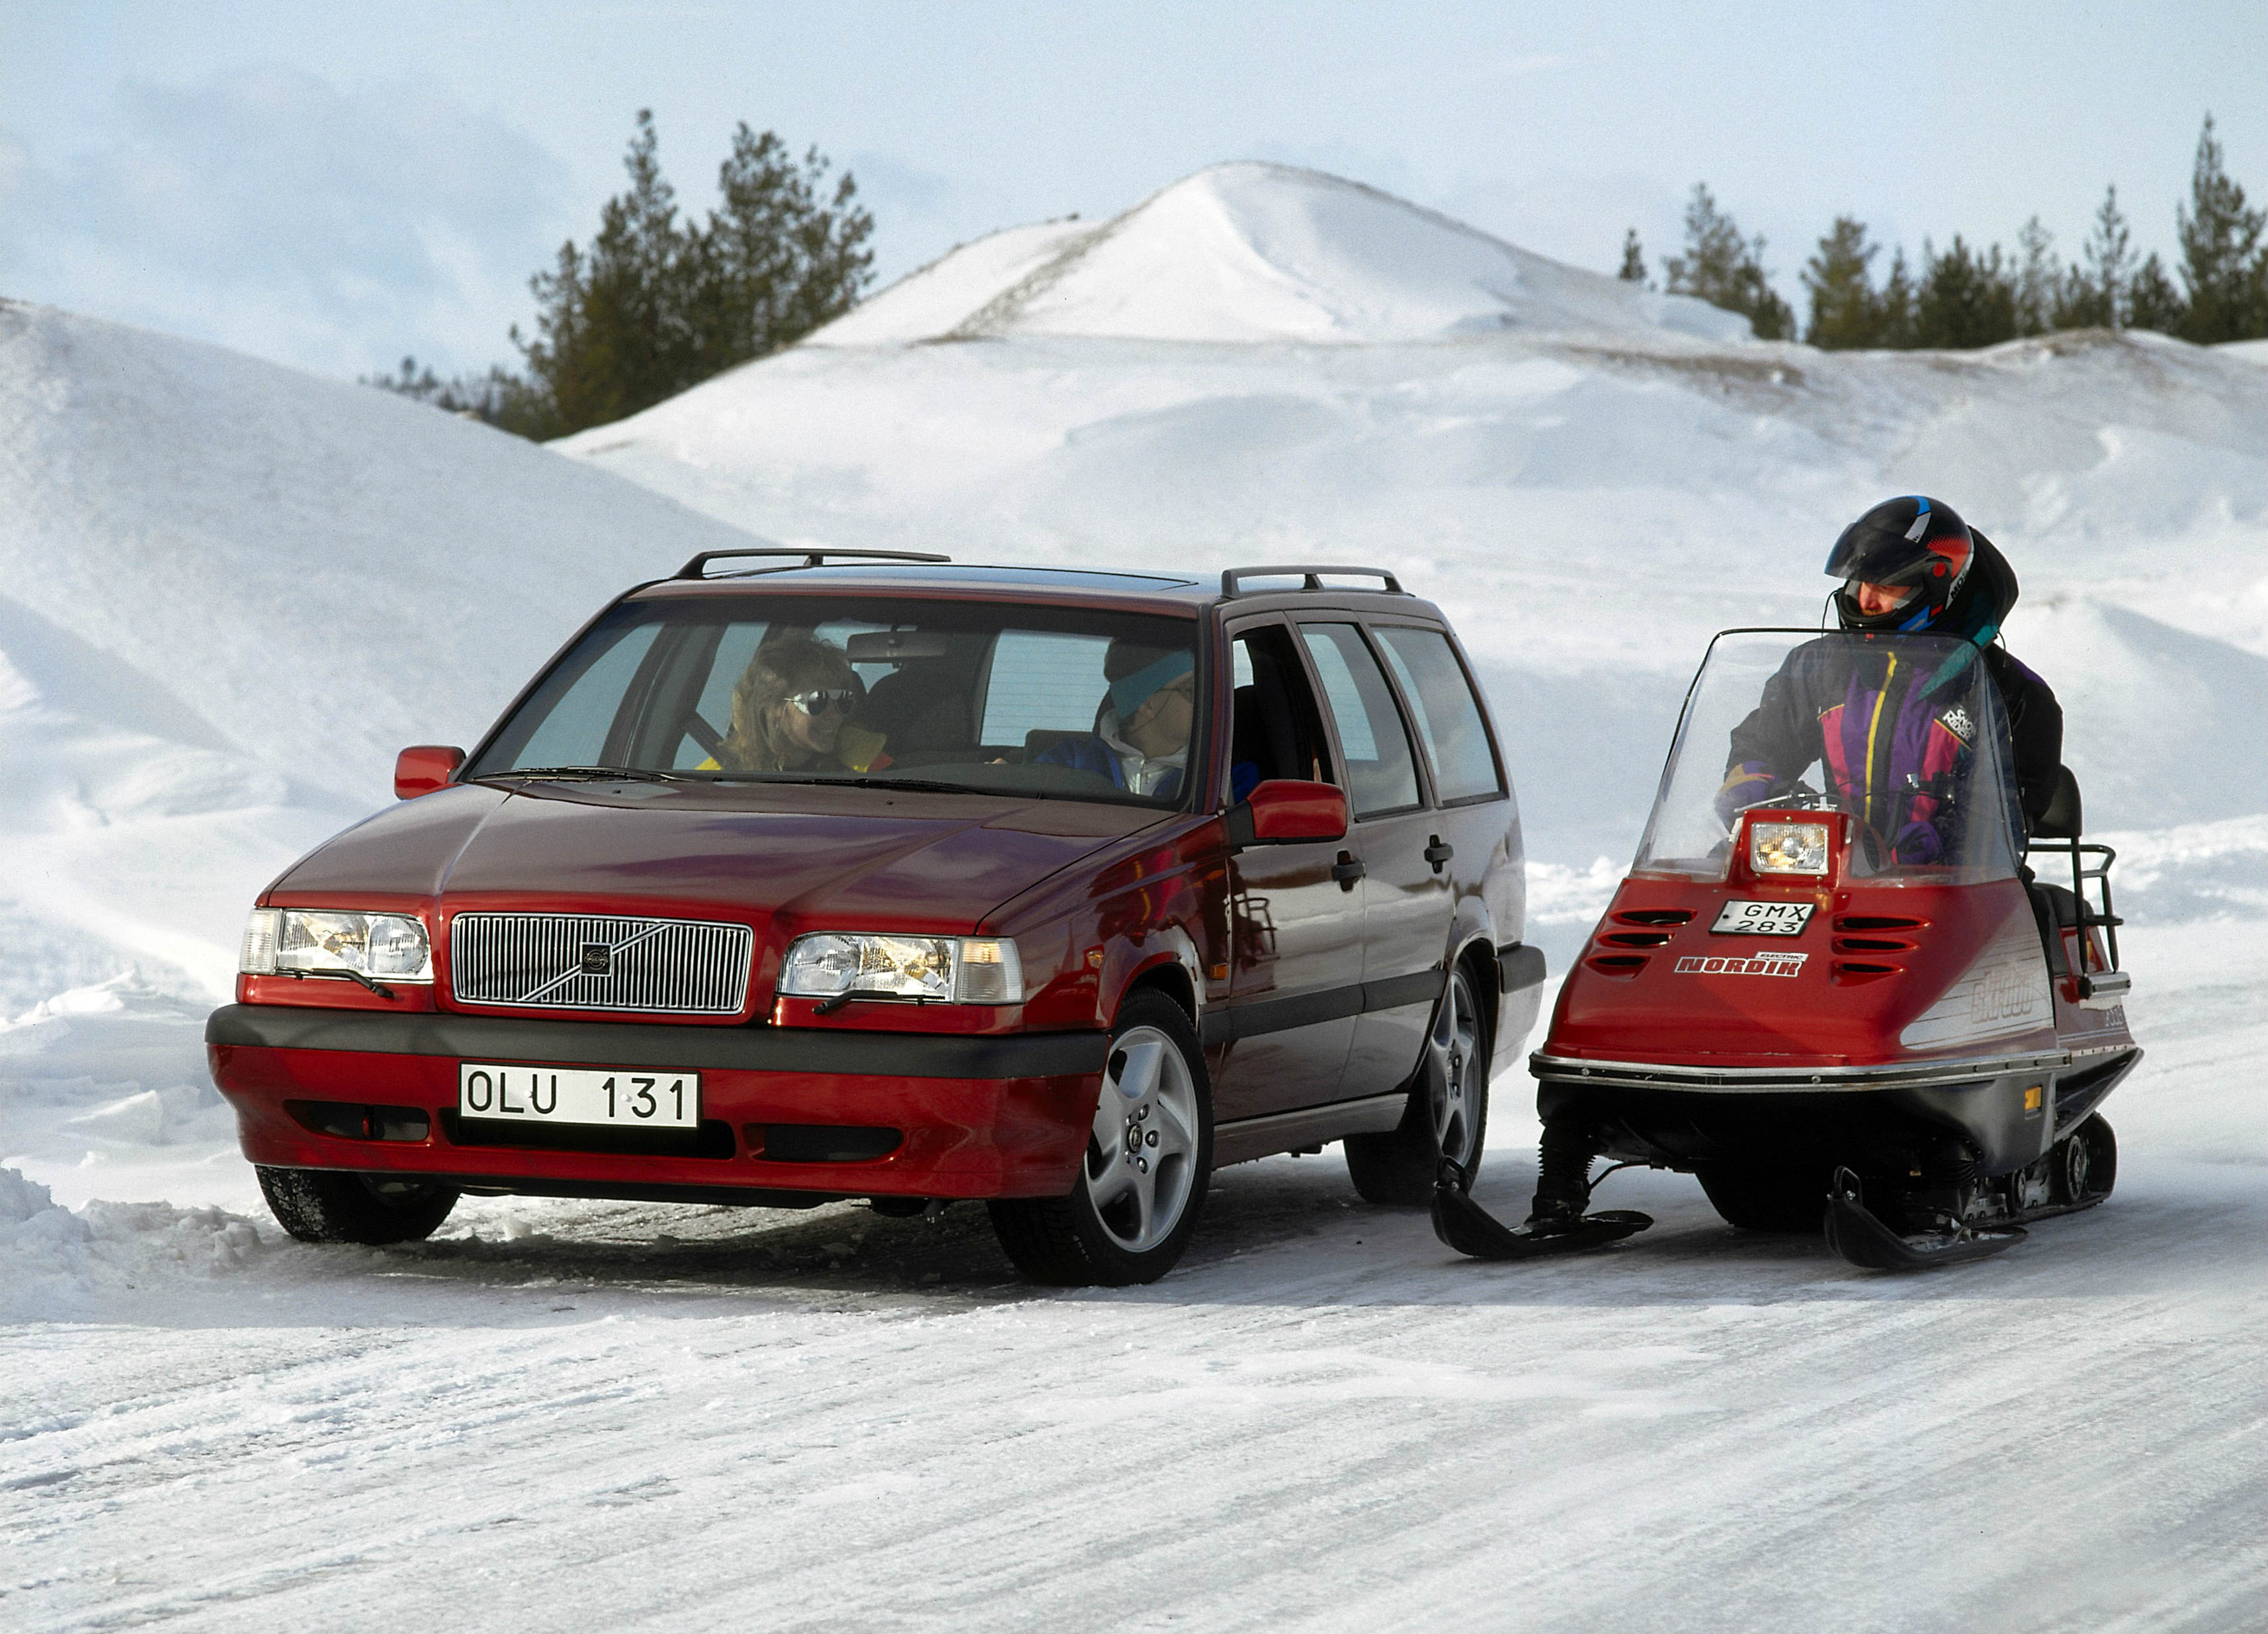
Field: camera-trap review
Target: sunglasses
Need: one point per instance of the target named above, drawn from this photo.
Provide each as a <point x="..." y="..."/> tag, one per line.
<point x="840" y="700"/>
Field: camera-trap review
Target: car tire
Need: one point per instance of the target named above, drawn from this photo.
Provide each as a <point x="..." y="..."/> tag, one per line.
<point x="1786" y="1200"/>
<point x="1448" y="1108"/>
<point x="332" y="1205"/>
<point x="1142" y="1182"/>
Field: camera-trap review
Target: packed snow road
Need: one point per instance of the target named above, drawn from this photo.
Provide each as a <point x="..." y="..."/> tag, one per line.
<point x="621" y="1416"/>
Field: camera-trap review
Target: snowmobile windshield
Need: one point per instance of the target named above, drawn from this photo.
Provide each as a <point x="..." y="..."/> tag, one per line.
<point x="1905" y="733"/>
<point x="1055" y="702"/>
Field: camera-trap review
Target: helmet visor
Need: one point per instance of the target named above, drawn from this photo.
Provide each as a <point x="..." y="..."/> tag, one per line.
<point x="1869" y="554"/>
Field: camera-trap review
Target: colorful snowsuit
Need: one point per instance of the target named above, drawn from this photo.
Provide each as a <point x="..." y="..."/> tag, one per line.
<point x="1891" y="743"/>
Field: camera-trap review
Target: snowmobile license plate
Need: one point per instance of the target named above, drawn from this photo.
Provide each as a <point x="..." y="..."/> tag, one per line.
<point x="1762" y="918"/>
<point x="652" y="1098"/>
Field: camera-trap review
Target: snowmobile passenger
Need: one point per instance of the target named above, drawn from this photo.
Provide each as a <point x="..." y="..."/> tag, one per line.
<point x="1882" y="728"/>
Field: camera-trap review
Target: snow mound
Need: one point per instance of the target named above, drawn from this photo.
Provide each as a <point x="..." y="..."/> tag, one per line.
<point x="220" y="552"/>
<point x="57" y="1262"/>
<point x="2189" y="871"/>
<point x="1256" y="252"/>
<point x="2152" y="713"/>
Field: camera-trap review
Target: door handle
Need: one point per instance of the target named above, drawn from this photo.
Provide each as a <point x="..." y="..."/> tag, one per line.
<point x="1439" y="852"/>
<point x="1347" y="870"/>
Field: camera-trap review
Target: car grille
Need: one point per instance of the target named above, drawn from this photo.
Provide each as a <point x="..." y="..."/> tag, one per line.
<point x="577" y="962"/>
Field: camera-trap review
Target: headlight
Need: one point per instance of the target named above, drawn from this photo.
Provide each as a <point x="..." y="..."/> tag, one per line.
<point x="1787" y="847"/>
<point x="947" y="969"/>
<point x="389" y="946"/>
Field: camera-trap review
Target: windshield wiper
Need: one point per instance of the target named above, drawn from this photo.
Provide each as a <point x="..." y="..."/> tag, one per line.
<point x="596" y="774"/>
<point x="932" y="785"/>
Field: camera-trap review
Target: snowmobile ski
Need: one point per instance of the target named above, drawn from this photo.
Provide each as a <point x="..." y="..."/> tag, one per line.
<point x="1464" y="1224"/>
<point x="1854" y="1232"/>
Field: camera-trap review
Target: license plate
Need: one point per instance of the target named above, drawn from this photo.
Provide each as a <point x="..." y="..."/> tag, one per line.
<point x="647" y="1098"/>
<point x="1762" y="918"/>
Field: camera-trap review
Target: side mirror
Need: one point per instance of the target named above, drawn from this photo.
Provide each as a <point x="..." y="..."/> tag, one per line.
<point x="424" y="768"/>
<point x="1284" y="810"/>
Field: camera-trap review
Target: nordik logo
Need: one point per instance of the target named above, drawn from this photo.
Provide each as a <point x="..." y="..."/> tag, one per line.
<point x="1737" y="964"/>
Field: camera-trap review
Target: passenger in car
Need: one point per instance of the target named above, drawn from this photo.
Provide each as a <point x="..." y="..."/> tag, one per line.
<point x="1141" y="736"/>
<point x="792" y="712"/>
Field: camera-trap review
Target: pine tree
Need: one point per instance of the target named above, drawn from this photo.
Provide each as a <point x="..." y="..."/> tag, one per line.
<point x="1845" y="311"/>
<point x="2223" y="264"/>
<point x="1966" y="300"/>
<point x="1633" y="267"/>
<point x="611" y="336"/>
<point x="775" y="262"/>
<point x="1726" y="270"/>
<point x="657" y="305"/>
<point x="1897" y="305"/>
<point x="2039" y="279"/>
<point x="2096" y="296"/>
<point x="2153" y="302"/>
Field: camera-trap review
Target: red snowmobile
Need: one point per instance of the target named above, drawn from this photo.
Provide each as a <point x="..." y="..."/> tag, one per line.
<point x="1853" y="1010"/>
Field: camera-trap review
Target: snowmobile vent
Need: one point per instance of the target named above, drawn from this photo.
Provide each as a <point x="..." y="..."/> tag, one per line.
<point x="1635" y="938"/>
<point x="1877" y="922"/>
<point x="1851" y="973"/>
<point x="1622" y="965"/>
<point x="1654" y="916"/>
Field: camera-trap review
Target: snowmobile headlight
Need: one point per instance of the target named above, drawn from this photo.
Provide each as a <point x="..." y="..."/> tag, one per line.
<point x="946" y="969"/>
<point x="1787" y="847"/>
<point x="389" y="946"/>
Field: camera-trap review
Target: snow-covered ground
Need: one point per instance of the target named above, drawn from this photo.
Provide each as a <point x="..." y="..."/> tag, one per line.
<point x="228" y="593"/>
<point x="620" y="1415"/>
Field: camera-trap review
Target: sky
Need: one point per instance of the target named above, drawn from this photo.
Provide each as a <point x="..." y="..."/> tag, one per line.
<point x="333" y="186"/>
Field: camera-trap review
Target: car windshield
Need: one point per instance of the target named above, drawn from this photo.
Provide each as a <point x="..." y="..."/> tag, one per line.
<point x="999" y="698"/>
<point x="1904" y="732"/>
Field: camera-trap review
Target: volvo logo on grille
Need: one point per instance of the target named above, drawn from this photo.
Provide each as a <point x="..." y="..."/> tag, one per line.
<point x="597" y="959"/>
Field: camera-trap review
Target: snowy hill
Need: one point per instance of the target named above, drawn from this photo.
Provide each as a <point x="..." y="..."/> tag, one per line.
<point x="228" y="594"/>
<point x="1259" y="253"/>
<point x="1264" y="364"/>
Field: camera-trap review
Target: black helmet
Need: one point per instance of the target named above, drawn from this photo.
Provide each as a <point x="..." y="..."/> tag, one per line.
<point x="1913" y="544"/>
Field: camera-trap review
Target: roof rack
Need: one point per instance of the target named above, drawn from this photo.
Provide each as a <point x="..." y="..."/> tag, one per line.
<point x="697" y="567"/>
<point x="1231" y="580"/>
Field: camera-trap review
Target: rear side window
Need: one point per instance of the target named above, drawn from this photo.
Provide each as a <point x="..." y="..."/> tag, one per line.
<point x="1448" y="715"/>
<point x="1381" y="775"/>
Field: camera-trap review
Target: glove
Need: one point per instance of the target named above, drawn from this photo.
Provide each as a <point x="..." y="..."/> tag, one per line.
<point x="1744" y="786"/>
<point x="1918" y="842"/>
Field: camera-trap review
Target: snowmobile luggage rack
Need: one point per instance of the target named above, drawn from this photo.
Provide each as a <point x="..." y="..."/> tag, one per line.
<point x="2058" y="833"/>
<point x="697" y="567"/>
<point x="1231" y="580"/>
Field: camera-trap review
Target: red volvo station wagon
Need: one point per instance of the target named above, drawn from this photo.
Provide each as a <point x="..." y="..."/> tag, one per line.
<point x="856" y="875"/>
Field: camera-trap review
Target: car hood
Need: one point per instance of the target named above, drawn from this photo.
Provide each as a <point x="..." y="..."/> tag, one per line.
<point x="909" y="859"/>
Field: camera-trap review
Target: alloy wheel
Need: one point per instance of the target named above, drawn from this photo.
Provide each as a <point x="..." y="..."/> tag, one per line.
<point x="1141" y="1159"/>
<point x="1451" y="1068"/>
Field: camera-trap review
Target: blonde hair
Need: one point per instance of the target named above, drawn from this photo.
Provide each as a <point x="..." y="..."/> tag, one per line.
<point x="784" y="666"/>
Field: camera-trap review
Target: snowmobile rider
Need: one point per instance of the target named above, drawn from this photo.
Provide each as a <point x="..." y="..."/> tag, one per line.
<point x="1910" y="565"/>
<point x="1907" y="565"/>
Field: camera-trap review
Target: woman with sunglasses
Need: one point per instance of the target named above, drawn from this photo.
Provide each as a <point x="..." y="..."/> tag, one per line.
<point x="792" y="712"/>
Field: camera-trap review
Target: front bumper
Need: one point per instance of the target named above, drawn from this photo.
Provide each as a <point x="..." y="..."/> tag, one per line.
<point x="977" y="1115"/>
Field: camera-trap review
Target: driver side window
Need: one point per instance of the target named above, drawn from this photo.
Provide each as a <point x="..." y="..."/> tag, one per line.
<point x="1275" y="731"/>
